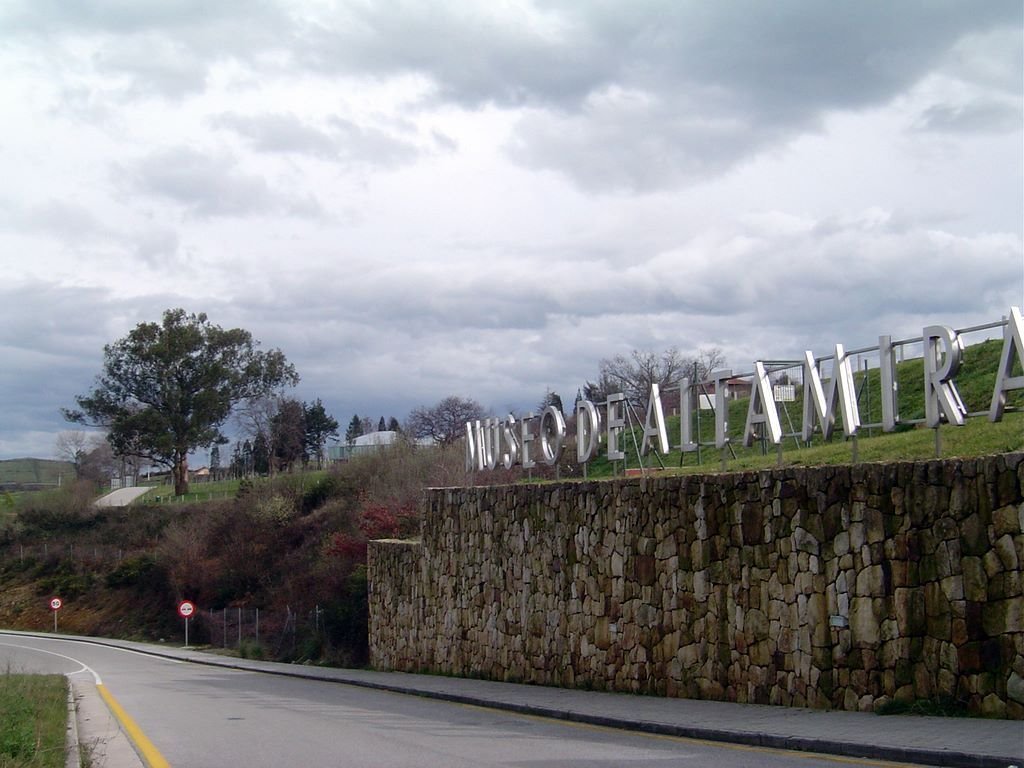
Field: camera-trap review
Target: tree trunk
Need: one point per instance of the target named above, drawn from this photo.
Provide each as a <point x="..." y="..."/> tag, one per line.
<point x="180" y="473"/>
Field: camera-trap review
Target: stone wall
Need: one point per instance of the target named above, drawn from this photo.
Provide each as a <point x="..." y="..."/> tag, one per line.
<point x="831" y="587"/>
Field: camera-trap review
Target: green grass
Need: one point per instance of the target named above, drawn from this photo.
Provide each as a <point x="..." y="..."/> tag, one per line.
<point x="164" y="493"/>
<point x="225" y="489"/>
<point x="33" y="718"/>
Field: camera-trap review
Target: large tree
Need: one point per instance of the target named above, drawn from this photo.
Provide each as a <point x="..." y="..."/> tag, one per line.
<point x="167" y="388"/>
<point x="445" y="422"/>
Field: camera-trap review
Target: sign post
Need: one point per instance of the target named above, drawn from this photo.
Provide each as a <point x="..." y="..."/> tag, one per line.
<point x="55" y="606"/>
<point x="185" y="609"/>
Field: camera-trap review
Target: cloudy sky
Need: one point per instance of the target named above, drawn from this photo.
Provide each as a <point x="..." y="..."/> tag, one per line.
<point x="417" y="199"/>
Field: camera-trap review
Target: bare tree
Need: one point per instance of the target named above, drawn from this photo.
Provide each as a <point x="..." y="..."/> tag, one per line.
<point x="634" y="375"/>
<point x="99" y="464"/>
<point x="73" y="446"/>
<point x="445" y="422"/>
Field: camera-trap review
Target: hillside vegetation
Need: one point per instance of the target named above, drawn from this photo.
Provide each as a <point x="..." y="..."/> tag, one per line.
<point x="276" y="566"/>
<point x="293" y="547"/>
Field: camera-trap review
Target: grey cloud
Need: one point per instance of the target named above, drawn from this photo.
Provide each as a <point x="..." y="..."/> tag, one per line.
<point x="358" y="143"/>
<point x="643" y="144"/>
<point x="472" y="55"/>
<point x="208" y="185"/>
<point x="51" y="339"/>
<point x="64" y="220"/>
<point x="342" y="141"/>
<point x="155" y="65"/>
<point x="973" y="117"/>
<point x="157" y="246"/>
<point x="280" y="133"/>
<point x="164" y="48"/>
<point x="706" y="92"/>
<point x="116" y="17"/>
<point x="710" y="91"/>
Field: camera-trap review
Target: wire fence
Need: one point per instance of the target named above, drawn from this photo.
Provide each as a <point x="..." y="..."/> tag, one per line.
<point x="258" y="632"/>
<point x="84" y="555"/>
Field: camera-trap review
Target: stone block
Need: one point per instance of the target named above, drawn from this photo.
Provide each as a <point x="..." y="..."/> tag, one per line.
<point x="1006" y="550"/>
<point x="975" y="580"/>
<point x="864" y="624"/>
<point x="993" y="706"/>
<point x="1015" y="688"/>
<point x="602" y="633"/>
<point x="1007" y="520"/>
<point x="999" y="616"/>
<point x="870" y="582"/>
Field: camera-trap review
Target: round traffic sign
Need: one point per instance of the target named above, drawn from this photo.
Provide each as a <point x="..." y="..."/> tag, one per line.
<point x="55" y="603"/>
<point x="186" y="608"/>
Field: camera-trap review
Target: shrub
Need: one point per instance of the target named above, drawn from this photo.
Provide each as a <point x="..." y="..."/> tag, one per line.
<point x="141" y="573"/>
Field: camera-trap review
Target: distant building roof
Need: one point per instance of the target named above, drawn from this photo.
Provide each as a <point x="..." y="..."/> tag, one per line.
<point x="386" y="437"/>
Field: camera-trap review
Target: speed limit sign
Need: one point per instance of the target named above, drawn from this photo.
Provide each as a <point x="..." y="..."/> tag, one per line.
<point x="185" y="609"/>
<point x="55" y="604"/>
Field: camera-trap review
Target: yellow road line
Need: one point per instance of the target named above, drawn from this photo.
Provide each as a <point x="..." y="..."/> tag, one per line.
<point x="150" y="754"/>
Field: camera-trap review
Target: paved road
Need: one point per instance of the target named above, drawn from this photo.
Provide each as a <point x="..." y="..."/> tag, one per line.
<point x="199" y="716"/>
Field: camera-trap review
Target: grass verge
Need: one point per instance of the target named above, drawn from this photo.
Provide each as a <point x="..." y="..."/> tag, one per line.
<point x="33" y="719"/>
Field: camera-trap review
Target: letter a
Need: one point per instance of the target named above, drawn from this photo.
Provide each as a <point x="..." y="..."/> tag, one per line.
<point x="1013" y="342"/>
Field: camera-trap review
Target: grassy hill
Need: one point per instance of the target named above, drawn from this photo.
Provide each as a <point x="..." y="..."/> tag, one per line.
<point x="34" y="472"/>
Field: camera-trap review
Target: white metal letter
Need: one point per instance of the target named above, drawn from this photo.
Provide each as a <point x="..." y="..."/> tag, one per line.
<point x="721" y="408"/>
<point x="552" y="435"/>
<point x="887" y="374"/>
<point x="471" y="447"/>
<point x="656" y="429"/>
<point x="686" y="442"/>
<point x="527" y="437"/>
<point x="1013" y="342"/>
<point x="588" y="430"/>
<point x="492" y="442"/>
<point x="615" y="422"/>
<point x="943" y="353"/>
<point x="762" y="408"/>
<point x="841" y="389"/>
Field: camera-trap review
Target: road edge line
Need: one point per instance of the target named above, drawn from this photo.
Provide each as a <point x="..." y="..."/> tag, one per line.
<point x="150" y="754"/>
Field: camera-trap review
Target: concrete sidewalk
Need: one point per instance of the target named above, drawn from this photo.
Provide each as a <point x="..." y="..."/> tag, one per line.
<point x="934" y="741"/>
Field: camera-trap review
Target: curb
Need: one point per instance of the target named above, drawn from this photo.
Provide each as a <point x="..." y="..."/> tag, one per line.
<point x="72" y="748"/>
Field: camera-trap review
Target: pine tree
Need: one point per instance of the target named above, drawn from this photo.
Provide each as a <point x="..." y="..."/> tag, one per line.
<point x="355" y="429"/>
<point x="214" y="461"/>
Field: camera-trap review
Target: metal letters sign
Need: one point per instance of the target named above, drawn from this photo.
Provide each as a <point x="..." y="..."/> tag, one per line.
<point x="522" y="442"/>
